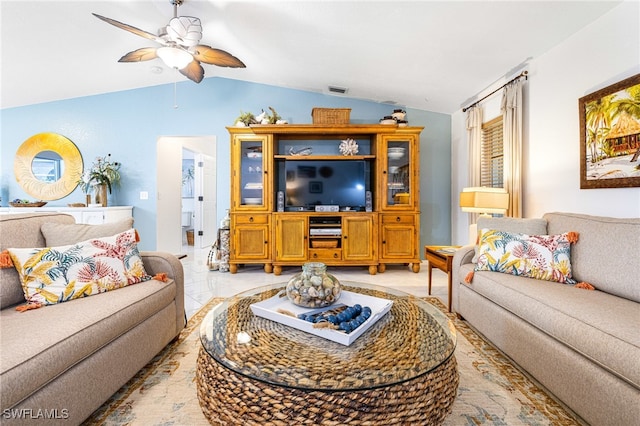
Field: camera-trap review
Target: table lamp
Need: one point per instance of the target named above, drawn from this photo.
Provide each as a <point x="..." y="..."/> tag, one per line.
<point x="483" y="200"/>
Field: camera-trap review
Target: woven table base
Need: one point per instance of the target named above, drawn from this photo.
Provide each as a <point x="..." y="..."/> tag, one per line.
<point x="228" y="398"/>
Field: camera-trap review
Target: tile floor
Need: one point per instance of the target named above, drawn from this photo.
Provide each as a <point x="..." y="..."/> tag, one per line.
<point x="201" y="284"/>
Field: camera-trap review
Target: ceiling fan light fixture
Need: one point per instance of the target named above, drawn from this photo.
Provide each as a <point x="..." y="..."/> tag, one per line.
<point x="174" y="57"/>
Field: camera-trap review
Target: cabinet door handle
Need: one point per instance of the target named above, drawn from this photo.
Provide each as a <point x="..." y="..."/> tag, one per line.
<point x="384" y="241"/>
<point x="251" y="219"/>
<point x="335" y="255"/>
<point x="315" y="254"/>
<point x="398" y="219"/>
<point x="345" y="237"/>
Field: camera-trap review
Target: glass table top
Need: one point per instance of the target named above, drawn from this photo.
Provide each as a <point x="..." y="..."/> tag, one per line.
<point x="411" y="340"/>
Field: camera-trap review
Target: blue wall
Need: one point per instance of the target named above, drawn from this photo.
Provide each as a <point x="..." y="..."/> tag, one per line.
<point x="127" y="125"/>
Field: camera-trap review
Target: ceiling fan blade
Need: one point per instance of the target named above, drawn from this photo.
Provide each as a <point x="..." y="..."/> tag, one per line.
<point x="193" y="71"/>
<point x="218" y="57"/>
<point x="139" y="55"/>
<point x="134" y="30"/>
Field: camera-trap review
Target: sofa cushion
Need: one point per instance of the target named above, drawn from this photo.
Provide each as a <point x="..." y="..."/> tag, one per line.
<point x="600" y="326"/>
<point x="57" y="274"/>
<point x="57" y="234"/>
<point x="39" y="345"/>
<point x="532" y="226"/>
<point x="22" y="230"/>
<point x="544" y="257"/>
<point x="606" y="255"/>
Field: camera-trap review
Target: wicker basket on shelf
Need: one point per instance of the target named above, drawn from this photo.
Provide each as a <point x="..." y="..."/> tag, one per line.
<point x="330" y="115"/>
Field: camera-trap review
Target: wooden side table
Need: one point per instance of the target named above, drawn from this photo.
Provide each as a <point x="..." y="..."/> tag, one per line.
<point x="441" y="257"/>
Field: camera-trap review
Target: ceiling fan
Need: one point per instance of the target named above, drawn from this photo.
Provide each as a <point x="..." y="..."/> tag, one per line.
<point x="180" y="46"/>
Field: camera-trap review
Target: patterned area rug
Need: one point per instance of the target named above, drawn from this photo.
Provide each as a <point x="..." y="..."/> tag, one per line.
<point x="491" y="391"/>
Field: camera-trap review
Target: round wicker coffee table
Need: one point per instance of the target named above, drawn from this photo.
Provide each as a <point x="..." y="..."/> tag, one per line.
<point x="254" y="371"/>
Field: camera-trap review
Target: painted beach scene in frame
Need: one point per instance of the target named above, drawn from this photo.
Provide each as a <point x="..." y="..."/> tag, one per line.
<point x="610" y="136"/>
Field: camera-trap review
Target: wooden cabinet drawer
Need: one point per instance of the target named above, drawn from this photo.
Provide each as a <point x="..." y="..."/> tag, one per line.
<point x="251" y="219"/>
<point x="325" y="254"/>
<point x="404" y="219"/>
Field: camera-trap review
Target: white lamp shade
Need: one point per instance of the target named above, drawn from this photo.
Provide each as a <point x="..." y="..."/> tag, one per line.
<point x="484" y="200"/>
<point x="174" y="57"/>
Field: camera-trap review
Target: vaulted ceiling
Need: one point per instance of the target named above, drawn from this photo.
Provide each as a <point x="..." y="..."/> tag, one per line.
<point x="432" y="55"/>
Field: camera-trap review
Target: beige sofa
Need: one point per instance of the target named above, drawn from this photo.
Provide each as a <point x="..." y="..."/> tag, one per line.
<point x="59" y="363"/>
<point x="583" y="346"/>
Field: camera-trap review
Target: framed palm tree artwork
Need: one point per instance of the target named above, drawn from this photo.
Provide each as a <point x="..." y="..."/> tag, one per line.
<point x="610" y="136"/>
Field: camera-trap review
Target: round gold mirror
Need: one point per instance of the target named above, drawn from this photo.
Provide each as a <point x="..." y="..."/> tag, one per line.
<point x="48" y="166"/>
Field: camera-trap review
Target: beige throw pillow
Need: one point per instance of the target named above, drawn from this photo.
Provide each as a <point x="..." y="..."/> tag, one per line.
<point x="10" y="289"/>
<point x="57" y="234"/>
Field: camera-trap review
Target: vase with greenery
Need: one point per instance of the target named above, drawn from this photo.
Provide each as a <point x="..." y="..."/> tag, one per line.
<point x="101" y="177"/>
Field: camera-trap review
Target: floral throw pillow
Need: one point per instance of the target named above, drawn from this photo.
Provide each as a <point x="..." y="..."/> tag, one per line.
<point x="544" y="257"/>
<point x="57" y="274"/>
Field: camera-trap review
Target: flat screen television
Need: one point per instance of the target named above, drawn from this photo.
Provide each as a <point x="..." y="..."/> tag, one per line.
<point x="309" y="183"/>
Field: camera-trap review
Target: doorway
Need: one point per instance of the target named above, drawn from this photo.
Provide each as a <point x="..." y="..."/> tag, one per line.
<point x="188" y="203"/>
<point x="173" y="152"/>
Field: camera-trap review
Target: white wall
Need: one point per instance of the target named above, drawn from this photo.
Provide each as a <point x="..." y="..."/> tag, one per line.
<point x="601" y="54"/>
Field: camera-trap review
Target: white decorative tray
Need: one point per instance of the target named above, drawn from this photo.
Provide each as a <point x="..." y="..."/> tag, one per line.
<point x="270" y="309"/>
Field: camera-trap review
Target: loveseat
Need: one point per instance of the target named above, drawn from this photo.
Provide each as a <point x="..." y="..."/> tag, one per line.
<point x="582" y="345"/>
<point x="60" y="362"/>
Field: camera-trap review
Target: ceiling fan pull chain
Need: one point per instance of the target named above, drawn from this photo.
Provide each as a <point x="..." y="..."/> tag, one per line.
<point x="175" y="88"/>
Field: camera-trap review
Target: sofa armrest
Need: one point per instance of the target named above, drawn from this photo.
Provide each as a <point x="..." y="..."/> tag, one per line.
<point x="464" y="255"/>
<point x="156" y="262"/>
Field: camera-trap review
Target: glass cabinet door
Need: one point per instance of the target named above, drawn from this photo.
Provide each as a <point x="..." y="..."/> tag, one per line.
<point x="249" y="178"/>
<point x="398" y="174"/>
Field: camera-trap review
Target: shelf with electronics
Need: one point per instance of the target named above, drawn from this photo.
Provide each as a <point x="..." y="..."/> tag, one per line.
<point x="296" y="197"/>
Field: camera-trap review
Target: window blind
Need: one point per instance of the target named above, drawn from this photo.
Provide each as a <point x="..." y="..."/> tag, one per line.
<point x="492" y="154"/>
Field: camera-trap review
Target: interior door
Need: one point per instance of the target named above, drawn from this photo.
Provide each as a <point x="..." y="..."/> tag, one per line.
<point x="205" y="189"/>
<point x="169" y="233"/>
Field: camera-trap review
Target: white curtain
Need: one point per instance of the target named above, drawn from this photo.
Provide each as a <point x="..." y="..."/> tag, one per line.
<point x="512" y="149"/>
<point x="474" y="139"/>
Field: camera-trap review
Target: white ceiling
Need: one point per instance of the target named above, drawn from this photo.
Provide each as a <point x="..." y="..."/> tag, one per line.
<point x="432" y="55"/>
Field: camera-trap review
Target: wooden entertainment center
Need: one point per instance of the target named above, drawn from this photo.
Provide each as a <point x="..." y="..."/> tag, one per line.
<point x="279" y="171"/>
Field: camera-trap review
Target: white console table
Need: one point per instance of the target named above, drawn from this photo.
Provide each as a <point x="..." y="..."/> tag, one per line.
<point x="88" y="215"/>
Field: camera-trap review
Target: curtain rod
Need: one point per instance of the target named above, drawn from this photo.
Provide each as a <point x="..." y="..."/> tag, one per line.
<point x="522" y="74"/>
